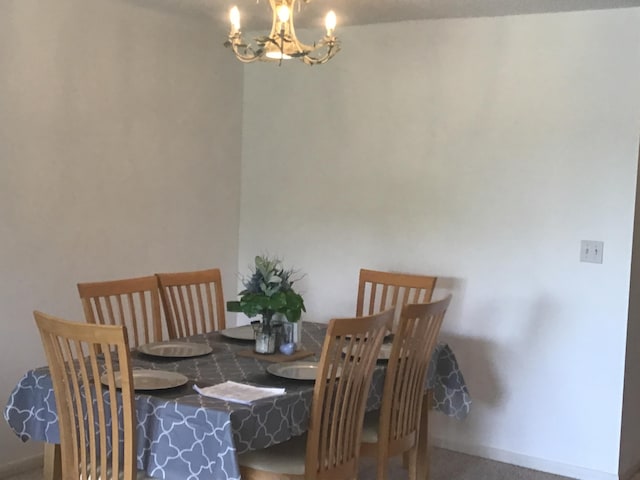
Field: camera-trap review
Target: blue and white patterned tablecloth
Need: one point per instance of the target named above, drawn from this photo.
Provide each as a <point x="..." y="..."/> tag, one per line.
<point x="183" y="435"/>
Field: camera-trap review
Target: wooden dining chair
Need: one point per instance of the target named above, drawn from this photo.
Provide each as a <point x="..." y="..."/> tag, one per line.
<point x="132" y="302"/>
<point x="193" y="302"/>
<point x="93" y="388"/>
<point x="378" y="291"/>
<point x="331" y="448"/>
<point x="397" y="427"/>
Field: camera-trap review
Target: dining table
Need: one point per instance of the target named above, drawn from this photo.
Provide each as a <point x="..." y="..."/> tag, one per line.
<point x="181" y="434"/>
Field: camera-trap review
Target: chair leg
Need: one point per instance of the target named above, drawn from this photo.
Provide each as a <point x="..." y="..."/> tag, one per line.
<point x="381" y="467"/>
<point x="405" y="459"/>
<point x="52" y="462"/>
<point x="422" y="449"/>
<point x="412" y="460"/>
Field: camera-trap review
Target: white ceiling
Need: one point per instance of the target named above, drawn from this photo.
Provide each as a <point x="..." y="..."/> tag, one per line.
<point x="363" y="12"/>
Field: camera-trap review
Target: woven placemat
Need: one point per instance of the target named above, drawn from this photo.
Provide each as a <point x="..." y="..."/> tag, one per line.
<point x="276" y="357"/>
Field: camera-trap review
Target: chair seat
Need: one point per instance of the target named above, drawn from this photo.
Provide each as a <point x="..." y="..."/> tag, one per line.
<point x="286" y="458"/>
<point x="370" y="428"/>
<point x="140" y="475"/>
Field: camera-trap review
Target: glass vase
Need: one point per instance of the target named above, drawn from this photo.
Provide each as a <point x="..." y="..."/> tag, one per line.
<point x="292" y="335"/>
<point x="265" y="340"/>
<point x="265" y="336"/>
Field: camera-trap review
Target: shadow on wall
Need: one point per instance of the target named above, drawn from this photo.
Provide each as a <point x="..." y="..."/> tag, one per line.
<point x="476" y="356"/>
<point x="454" y="286"/>
<point x="477" y="359"/>
<point x="503" y="337"/>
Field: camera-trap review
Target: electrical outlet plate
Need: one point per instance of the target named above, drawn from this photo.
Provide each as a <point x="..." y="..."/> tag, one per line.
<point x="591" y="251"/>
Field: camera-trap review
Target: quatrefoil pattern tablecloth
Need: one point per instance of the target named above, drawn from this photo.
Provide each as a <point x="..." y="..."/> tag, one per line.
<point x="183" y="435"/>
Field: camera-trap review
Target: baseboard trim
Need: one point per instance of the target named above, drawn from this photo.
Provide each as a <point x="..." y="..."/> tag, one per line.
<point x="525" y="461"/>
<point x="20" y="466"/>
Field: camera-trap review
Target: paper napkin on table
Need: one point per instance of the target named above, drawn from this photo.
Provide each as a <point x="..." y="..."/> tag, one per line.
<point x="238" y="392"/>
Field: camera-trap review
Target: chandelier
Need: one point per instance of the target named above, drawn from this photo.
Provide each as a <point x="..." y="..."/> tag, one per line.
<point x="282" y="43"/>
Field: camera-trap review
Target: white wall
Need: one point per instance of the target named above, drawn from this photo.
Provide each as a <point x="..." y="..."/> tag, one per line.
<point x="119" y="156"/>
<point x="482" y="151"/>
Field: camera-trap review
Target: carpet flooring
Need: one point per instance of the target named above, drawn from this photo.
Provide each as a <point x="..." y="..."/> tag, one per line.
<point x="448" y="465"/>
<point x="445" y="465"/>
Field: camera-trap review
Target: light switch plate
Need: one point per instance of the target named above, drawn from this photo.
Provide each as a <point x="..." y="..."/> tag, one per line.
<point x="591" y="251"/>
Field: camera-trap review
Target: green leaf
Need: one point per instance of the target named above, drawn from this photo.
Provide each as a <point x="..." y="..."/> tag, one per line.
<point x="268" y="291"/>
<point x="233" y="306"/>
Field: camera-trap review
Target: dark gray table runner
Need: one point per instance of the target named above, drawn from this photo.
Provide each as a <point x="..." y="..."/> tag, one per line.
<point x="183" y="435"/>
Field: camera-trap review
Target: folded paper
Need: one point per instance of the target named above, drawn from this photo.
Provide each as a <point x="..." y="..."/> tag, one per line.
<point x="238" y="392"/>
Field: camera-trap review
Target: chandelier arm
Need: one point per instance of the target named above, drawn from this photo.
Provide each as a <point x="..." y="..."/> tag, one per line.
<point x="281" y="46"/>
<point x="242" y="50"/>
<point x="330" y="43"/>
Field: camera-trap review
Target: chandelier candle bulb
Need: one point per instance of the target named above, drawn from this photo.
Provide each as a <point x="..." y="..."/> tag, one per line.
<point x="330" y="22"/>
<point x="283" y="13"/>
<point x="234" y="16"/>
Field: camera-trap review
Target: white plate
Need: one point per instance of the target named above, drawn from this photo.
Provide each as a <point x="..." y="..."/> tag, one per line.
<point x="175" y="349"/>
<point x="385" y="351"/>
<point x="387" y="336"/>
<point x="294" y="370"/>
<point x="239" y="333"/>
<point x="150" y="379"/>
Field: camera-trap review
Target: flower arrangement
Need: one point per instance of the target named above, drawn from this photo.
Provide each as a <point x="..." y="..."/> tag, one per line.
<point x="269" y="290"/>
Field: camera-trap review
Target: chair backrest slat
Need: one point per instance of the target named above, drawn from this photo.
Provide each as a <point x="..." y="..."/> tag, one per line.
<point x="378" y="291"/>
<point x="193" y="302"/>
<point x="341" y="389"/>
<point x="413" y="345"/>
<point x="132" y="302"/>
<point x="95" y="418"/>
